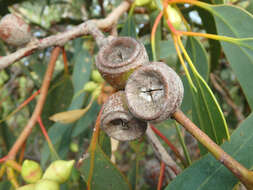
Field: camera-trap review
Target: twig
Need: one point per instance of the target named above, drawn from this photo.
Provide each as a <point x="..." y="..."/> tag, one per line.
<point x="3" y="159"/>
<point x="50" y="144"/>
<point x="88" y="27"/>
<point x="22" y="153"/>
<point x="161" y="153"/>
<point x="141" y="10"/>
<point x="38" y="109"/>
<point x="161" y="176"/>
<point x="222" y="89"/>
<point x="92" y="148"/>
<point x="173" y="148"/>
<point x="65" y="61"/>
<point x="14" y="165"/>
<point x="242" y="173"/>
<point x="101" y="4"/>
<point x="28" y="100"/>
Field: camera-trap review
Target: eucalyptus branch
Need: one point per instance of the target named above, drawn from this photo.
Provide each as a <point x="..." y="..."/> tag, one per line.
<point x="88" y="27"/>
<point x="242" y="173"/>
<point x="173" y="148"/>
<point x="38" y="109"/>
<point x="222" y="89"/>
<point x="160" y="151"/>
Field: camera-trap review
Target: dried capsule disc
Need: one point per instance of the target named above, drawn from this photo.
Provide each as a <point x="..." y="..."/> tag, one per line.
<point x="14" y="30"/>
<point x="154" y="92"/>
<point x="119" y="58"/>
<point x="118" y="122"/>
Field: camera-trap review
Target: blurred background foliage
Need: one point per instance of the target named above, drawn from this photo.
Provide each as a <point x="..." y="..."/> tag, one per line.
<point x="136" y="159"/>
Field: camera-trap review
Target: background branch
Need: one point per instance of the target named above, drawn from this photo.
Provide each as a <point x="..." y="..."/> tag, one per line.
<point x="222" y="89"/>
<point x="38" y="109"/>
<point x="60" y="39"/>
<point x="160" y="151"/>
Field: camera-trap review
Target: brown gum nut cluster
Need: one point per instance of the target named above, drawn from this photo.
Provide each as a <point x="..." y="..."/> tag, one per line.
<point x="154" y="92"/>
<point x="118" y="122"/>
<point x="14" y="30"/>
<point x="117" y="59"/>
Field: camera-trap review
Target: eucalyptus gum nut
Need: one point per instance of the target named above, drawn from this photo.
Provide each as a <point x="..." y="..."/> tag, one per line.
<point x="46" y="184"/>
<point x="118" y="122"/>
<point x="14" y="30"/>
<point x="59" y="171"/>
<point x="154" y="92"/>
<point x="118" y="58"/>
<point x="27" y="187"/>
<point x="31" y="171"/>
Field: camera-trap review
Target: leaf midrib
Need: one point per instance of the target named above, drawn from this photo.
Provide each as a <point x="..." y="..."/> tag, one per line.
<point x="233" y="154"/>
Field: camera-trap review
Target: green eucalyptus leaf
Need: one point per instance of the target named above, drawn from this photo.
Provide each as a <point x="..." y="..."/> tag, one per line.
<point x="250" y="6"/>
<point x="129" y="28"/>
<point x="81" y="74"/>
<point x="198" y="55"/>
<point x="86" y="120"/>
<point x="57" y="102"/>
<point x="7" y="136"/>
<point x="4" y="184"/>
<point x="159" y="4"/>
<point x="207" y="113"/>
<point x="167" y="48"/>
<point x="235" y="22"/>
<point x="105" y="174"/>
<point x="105" y="143"/>
<point x="209" y="174"/>
<point x="158" y="34"/>
<point x="133" y="174"/>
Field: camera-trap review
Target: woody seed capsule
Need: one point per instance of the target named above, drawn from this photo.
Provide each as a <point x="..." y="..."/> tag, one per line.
<point x="154" y="92"/>
<point x="14" y="30"/>
<point x="118" y="122"/>
<point x="117" y="59"/>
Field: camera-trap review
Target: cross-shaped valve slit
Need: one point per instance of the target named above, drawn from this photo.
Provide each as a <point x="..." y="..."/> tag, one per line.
<point x="153" y="91"/>
<point x="150" y="93"/>
<point x="120" y="55"/>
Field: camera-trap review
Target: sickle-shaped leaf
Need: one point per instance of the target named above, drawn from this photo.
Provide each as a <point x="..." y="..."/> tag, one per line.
<point x="105" y="175"/>
<point x="235" y="22"/>
<point x="209" y="26"/>
<point x="207" y="112"/>
<point x="129" y="28"/>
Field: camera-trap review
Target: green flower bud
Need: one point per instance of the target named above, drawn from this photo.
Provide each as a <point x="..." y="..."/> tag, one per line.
<point x="174" y="17"/>
<point x="31" y="171"/>
<point x="74" y="147"/>
<point x="96" y="76"/>
<point x="152" y="5"/>
<point x="142" y="2"/>
<point x="96" y="92"/>
<point x="27" y="187"/>
<point x="46" y="184"/>
<point x="59" y="171"/>
<point x="90" y="86"/>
